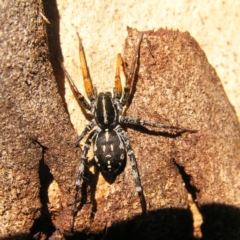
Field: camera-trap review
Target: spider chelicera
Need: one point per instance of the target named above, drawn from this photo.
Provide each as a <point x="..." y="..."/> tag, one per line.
<point x="111" y="143"/>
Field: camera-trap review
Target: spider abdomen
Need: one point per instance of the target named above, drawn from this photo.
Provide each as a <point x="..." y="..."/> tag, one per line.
<point x="109" y="151"/>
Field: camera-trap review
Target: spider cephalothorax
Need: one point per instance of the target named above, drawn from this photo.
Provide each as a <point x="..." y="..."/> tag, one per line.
<point x="111" y="143"/>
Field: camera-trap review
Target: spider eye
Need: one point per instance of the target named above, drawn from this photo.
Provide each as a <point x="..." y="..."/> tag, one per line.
<point x="109" y="94"/>
<point x="104" y="95"/>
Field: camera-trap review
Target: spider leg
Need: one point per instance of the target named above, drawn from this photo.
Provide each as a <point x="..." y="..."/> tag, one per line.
<point x="131" y="155"/>
<point x="141" y="122"/>
<point x="130" y="77"/>
<point x="80" y="176"/>
<point x="78" y="95"/>
<point x="86" y="130"/>
<point x="117" y="91"/>
<point x="86" y="78"/>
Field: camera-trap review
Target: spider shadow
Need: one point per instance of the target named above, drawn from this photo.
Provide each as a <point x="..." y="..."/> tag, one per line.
<point x="172" y="133"/>
<point x="221" y="222"/>
<point x="90" y="182"/>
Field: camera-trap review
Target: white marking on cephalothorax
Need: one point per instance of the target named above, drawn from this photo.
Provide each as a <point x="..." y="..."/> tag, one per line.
<point x="104" y="112"/>
<point x="104" y="148"/>
<point x="111" y="146"/>
<point x="96" y="159"/>
<point x="109" y="162"/>
<point x="109" y="166"/>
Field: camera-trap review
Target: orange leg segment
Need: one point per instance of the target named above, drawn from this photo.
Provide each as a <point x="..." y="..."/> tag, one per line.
<point x="78" y="95"/>
<point x="87" y="81"/>
<point x="118" y="85"/>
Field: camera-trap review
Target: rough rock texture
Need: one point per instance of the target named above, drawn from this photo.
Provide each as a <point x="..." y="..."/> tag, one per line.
<point x="175" y="85"/>
<point x="36" y="135"/>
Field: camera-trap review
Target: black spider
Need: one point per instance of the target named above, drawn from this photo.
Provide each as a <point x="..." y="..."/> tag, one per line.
<point x="111" y="143"/>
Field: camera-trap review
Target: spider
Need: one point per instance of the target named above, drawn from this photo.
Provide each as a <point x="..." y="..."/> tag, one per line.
<point x="111" y="143"/>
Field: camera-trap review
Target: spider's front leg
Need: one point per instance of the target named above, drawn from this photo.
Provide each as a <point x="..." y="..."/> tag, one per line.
<point x="80" y="176"/>
<point x="141" y="122"/>
<point x="86" y="78"/>
<point x="131" y="74"/>
<point x="131" y="155"/>
<point x="81" y="99"/>
<point x="120" y="97"/>
<point x="117" y="90"/>
<point x="89" y="89"/>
